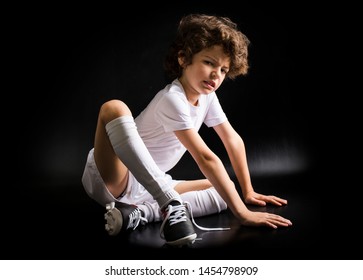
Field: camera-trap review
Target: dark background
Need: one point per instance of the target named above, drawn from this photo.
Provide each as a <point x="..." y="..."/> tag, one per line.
<point x="75" y="67"/>
<point x="71" y="66"/>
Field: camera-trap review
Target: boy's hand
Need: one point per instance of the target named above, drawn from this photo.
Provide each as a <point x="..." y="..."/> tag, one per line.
<point x="261" y="200"/>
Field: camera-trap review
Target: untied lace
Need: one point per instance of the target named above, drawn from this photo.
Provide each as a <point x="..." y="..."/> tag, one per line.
<point x="200" y="227"/>
<point x="135" y="217"/>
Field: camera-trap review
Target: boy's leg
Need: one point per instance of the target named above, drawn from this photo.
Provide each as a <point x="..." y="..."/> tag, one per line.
<point x="203" y="203"/>
<point x="122" y="216"/>
<point x="131" y="150"/>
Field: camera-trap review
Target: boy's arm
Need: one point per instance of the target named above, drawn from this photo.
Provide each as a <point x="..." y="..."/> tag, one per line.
<point x="237" y="154"/>
<point x="213" y="169"/>
<point x="236" y="151"/>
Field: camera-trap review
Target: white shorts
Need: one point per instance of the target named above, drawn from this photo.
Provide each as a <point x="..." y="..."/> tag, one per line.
<point x="96" y="188"/>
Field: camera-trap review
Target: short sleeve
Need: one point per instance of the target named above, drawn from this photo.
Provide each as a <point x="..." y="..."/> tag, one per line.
<point x="173" y="113"/>
<point x="215" y="114"/>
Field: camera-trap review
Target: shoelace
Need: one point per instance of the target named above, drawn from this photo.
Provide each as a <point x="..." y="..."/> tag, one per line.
<point x="177" y="214"/>
<point x="198" y="226"/>
<point x="135" y="217"/>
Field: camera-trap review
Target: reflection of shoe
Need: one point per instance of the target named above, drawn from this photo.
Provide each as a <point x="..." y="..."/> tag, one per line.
<point x="177" y="229"/>
<point x="122" y="216"/>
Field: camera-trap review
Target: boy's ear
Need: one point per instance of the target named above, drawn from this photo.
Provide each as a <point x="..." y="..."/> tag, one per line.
<point x="181" y="58"/>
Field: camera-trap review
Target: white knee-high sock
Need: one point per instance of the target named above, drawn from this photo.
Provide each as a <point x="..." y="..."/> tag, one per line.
<point x="132" y="151"/>
<point x="203" y="202"/>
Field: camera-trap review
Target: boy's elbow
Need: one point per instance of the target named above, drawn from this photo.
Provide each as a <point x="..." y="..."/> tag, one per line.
<point x="209" y="159"/>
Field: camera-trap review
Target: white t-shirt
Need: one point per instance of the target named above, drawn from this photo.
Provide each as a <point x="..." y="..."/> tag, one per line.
<point x="169" y="111"/>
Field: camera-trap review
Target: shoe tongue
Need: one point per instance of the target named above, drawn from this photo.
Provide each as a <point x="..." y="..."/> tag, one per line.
<point x="175" y="203"/>
<point x="172" y="203"/>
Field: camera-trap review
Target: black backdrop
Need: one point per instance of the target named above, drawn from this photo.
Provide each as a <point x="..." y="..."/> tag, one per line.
<point x="67" y="66"/>
<point x="75" y="66"/>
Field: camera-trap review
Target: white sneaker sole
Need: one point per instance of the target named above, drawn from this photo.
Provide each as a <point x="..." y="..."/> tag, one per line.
<point x="114" y="221"/>
<point x="187" y="240"/>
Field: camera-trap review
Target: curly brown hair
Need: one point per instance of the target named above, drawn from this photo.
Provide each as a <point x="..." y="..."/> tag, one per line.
<point x="199" y="31"/>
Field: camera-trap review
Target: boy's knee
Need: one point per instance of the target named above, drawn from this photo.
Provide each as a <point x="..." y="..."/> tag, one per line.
<point x="113" y="109"/>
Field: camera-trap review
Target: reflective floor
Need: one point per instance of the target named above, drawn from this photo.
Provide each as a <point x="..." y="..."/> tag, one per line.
<point x="66" y="224"/>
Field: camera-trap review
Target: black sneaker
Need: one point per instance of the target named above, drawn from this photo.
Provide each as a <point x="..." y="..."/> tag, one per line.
<point x="177" y="228"/>
<point x="122" y="216"/>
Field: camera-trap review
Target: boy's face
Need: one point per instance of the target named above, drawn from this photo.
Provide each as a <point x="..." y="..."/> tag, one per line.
<point x="206" y="72"/>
